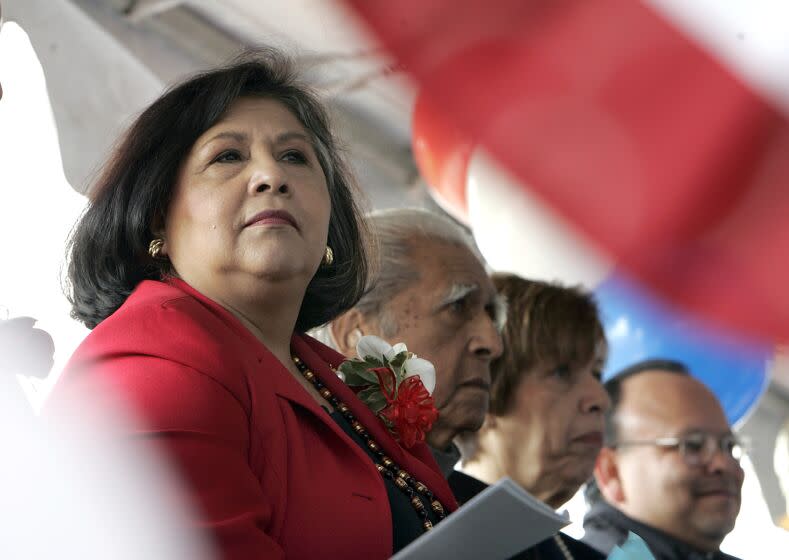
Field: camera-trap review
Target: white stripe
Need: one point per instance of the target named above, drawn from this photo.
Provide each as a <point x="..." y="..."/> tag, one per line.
<point x="750" y="37"/>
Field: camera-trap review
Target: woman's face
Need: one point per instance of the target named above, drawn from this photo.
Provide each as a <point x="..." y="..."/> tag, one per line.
<point x="251" y="203"/>
<point x="550" y="438"/>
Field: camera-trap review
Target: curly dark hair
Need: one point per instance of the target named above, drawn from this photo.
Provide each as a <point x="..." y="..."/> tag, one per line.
<point x="109" y="247"/>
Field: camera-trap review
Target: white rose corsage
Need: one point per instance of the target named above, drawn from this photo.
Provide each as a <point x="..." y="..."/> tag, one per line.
<point x="396" y="385"/>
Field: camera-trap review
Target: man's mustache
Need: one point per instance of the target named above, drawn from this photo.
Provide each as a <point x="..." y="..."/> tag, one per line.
<point x="724" y="485"/>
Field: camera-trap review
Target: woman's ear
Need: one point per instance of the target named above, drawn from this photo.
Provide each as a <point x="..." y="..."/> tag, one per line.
<point x="606" y="473"/>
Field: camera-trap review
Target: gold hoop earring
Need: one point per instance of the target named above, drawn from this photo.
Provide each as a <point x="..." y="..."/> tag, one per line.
<point x="155" y="248"/>
<point x="328" y="256"/>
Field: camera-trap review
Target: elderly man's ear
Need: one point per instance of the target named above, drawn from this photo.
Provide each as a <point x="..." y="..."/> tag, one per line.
<point x="606" y="473"/>
<point x="347" y="329"/>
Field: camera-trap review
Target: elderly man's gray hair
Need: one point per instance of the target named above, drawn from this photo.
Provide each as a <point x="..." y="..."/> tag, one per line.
<point x="398" y="232"/>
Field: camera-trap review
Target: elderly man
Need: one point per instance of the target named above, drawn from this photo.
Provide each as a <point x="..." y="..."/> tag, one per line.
<point x="669" y="471"/>
<point x="433" y="294"/>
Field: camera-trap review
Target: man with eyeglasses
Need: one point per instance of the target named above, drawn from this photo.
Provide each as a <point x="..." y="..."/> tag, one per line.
<point x="669" y="470"/>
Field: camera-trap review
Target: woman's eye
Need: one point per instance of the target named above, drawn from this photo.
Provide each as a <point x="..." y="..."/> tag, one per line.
<point x="294" y="156"/>
<point x="597" y="374"/>
<point x="228" y="156"/>
<point x="562" y="372"/>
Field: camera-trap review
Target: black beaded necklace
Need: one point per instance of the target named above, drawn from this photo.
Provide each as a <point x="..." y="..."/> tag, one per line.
<point x="406" y="483"/>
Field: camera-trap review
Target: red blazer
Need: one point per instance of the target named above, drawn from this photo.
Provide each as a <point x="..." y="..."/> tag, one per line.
<point x="270" y="472"/>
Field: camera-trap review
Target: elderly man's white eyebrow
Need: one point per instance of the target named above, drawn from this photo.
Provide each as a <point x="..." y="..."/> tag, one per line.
<point x="457" y="292"/>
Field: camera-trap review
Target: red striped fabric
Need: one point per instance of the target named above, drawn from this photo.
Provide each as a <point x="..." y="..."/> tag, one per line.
<point x="628" y="128"/>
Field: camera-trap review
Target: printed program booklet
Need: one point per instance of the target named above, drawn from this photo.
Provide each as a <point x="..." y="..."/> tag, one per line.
<point x="497" y="523"/>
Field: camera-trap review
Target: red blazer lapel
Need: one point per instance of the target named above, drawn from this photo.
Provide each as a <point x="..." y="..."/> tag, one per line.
<point x="280" y="379"/>
<point x="419" y="461"/>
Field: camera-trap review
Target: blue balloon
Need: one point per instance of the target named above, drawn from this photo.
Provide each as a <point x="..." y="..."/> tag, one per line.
<point x="639" y="327"/>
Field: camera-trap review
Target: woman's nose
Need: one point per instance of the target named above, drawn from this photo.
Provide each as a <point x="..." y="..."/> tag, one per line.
<point x="594" y="398"/>
<point x="268" y="176"/>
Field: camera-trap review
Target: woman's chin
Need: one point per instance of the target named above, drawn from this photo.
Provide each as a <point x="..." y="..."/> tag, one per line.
<point x="279" y="268"/>
<point x="279" y="256"/>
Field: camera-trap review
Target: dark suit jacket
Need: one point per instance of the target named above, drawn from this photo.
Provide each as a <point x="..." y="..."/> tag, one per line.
<point x="271" y="474"/>
<point x="466" y="487"/>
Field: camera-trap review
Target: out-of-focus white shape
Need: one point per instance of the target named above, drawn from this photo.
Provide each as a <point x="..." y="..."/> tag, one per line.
<point x="781" y="462"/>
<point x="71" y="491"/>
<point x="755" y="536"/>
<point x="750" y="37"/>
<point x="576" y="508"/>
<point x="95" y="84"/>
<point x="519" y="233"/>
<point x="38" y="208"/>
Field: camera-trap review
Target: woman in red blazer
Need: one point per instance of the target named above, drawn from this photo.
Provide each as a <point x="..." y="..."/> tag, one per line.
<point x="222" y="229"/>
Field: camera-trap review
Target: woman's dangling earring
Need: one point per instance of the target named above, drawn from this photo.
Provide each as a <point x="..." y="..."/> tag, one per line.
<point x="155" y="248"/>
<point x="328" y="256"/>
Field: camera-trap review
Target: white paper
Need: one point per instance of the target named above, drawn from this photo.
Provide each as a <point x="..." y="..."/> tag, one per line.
<point x="497" y="523"/>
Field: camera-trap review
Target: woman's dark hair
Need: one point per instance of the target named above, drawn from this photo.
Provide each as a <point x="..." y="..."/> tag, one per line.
<point x="109" y="246"/>
<point x="547" y="324"/>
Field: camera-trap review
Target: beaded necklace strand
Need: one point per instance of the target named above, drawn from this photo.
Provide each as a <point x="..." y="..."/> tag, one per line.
<point x="563" y="547"/>
<point x="406" y="483"/>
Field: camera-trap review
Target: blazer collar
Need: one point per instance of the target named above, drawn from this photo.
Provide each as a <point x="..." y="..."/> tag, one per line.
<point x="280" y="379"/>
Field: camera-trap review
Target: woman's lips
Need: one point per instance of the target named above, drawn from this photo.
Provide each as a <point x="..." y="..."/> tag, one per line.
<point x="272" y="217"/>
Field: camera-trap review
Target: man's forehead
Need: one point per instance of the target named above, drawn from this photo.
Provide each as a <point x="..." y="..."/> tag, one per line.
<point x="444" y="267"/>
<point x="668" y="402"/>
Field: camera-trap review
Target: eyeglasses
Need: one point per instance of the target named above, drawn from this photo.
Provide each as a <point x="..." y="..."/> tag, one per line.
<point x="696" y="448"/>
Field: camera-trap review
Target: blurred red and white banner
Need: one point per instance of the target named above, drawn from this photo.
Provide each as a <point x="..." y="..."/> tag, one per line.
<point x="658" y="129"/>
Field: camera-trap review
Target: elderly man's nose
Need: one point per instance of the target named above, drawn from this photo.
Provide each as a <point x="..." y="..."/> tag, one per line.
<point x="486" y="341"/>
